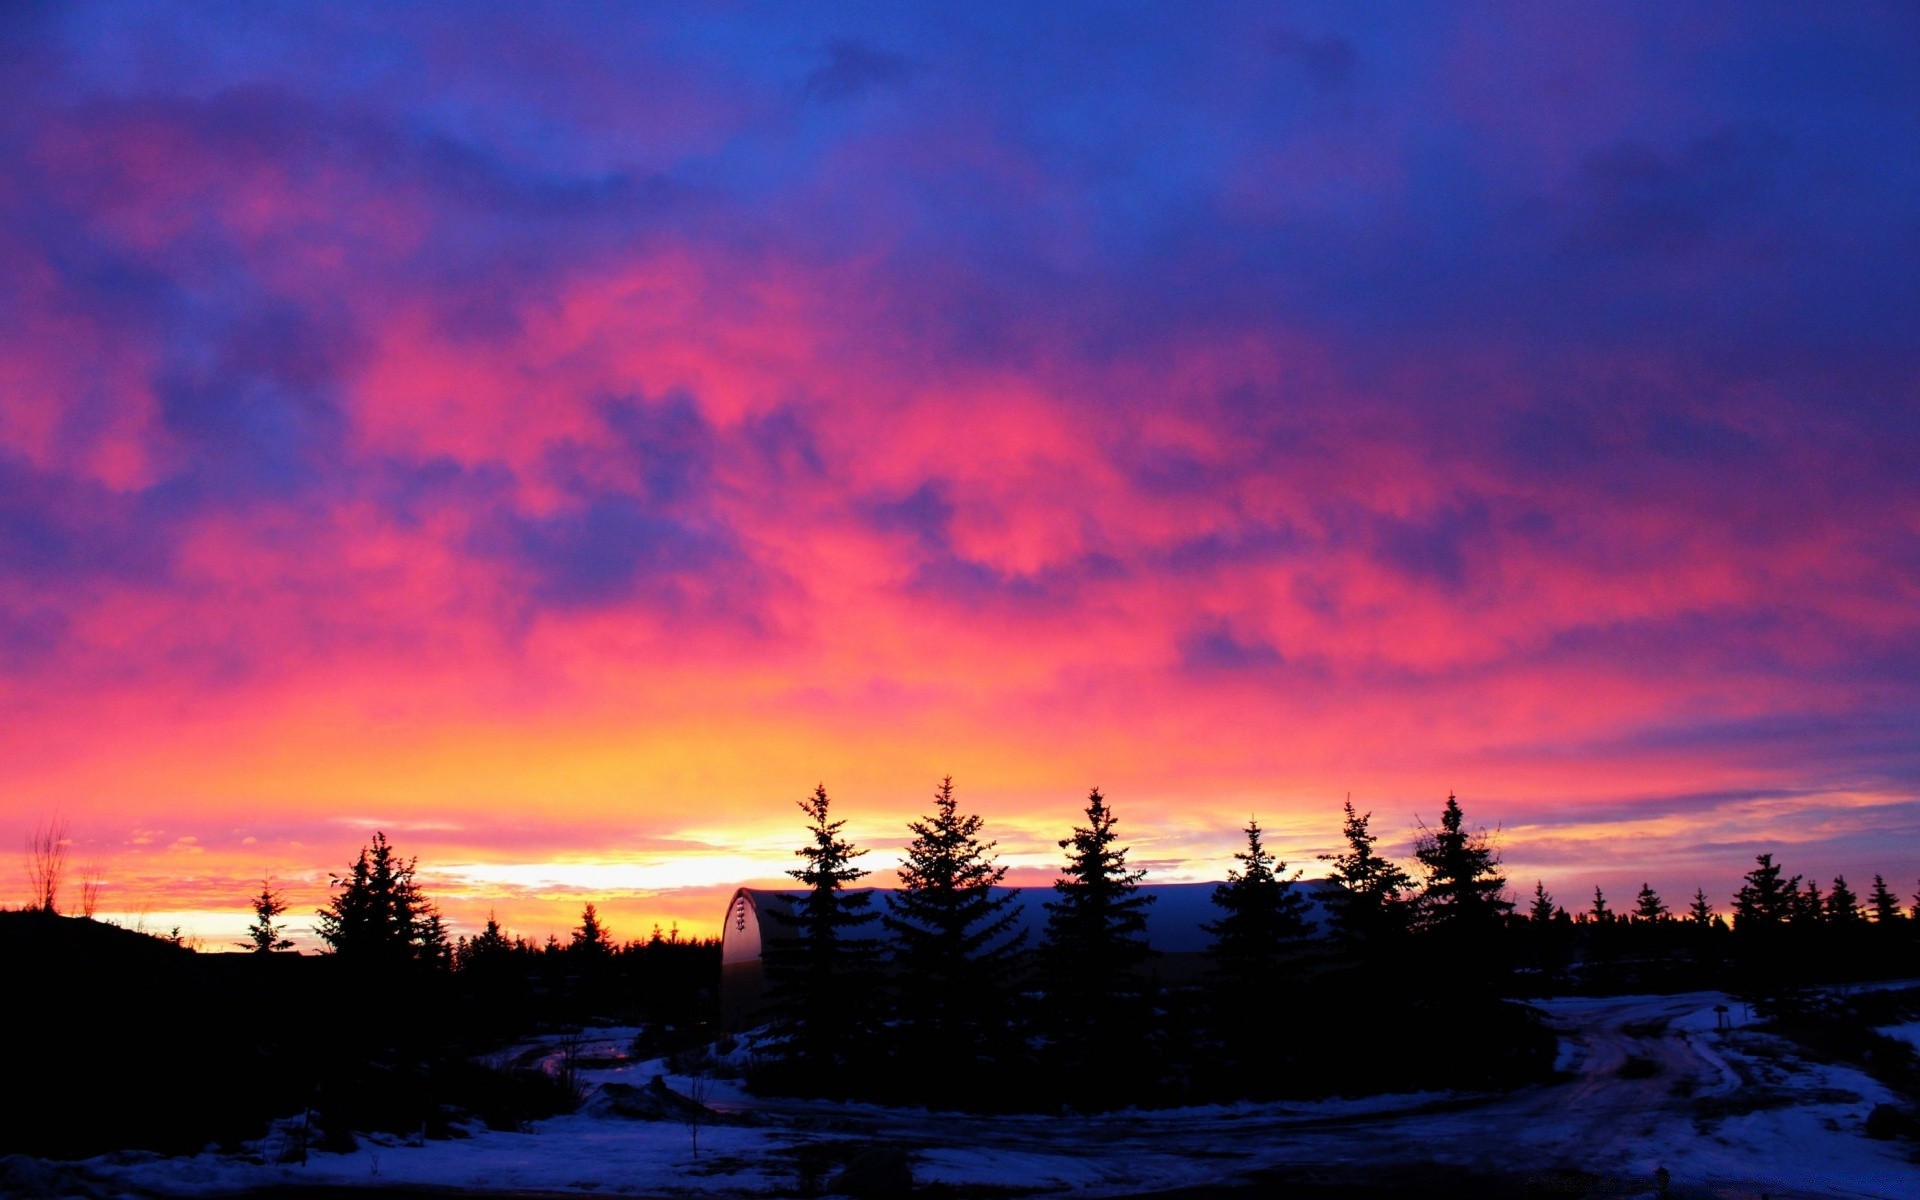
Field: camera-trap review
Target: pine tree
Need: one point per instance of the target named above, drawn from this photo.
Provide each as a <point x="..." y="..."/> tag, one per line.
<point x="1599" y="913"/>
<point x="1541" y="910"/>
<point x="484" y="950"/>
<point x="379" y="914"/>
<point x="1263" y="918"/>
<point x="265" y="935"/>
<point x="1884" y="904"/>
<point x="955" y="940"/>
<point x="1096" y="938"/>
<point x="1372" y="906"/>
<point x="1764" y="901"/>
<point x="1843" y="907"/>
<point x="1809" y="907"/>
<point x="1647" y="906"/>
<point x="821" y="973"/>
<point x="1096" y="925"/>
<point x="591" y="939"/>
<point x="1700" y="912"/>
<point x="1464" y="890"/>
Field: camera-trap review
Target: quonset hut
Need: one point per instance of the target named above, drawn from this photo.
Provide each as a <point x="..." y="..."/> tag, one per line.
<point x="1176" y="923"/>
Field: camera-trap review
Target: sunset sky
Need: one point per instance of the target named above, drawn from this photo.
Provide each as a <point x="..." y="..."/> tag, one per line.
<point x="561" y="436"/>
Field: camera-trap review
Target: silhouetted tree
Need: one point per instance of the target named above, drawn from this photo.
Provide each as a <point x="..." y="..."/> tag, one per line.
<point x="591" y="939"/>
<point x="1764" y="901"/>
<point x="1700" y="912"/>
<point x="1094" y="943"/>
<point x="378" y="913"/>
<point x="1809" y="907"/>
<point x="1647" y="906"/>
<point x="1884" y="905"/>
<point x="90" y="882"/>
<point x="1372" y="906"/>
<point x="821" y="970"/>
<point x="955" y="940"/>
<point x="1843" y="907"/>
<point x="265" y="936"/>
<point x="46" y="863"/>
<point x="1541" y="910"/>
<point x="1598" y="912"/>
<point x="487" y="950"/>
<point x="1096" y="925"/>
<point x="1263" y="918"/>
<point x="1464" y="890"/>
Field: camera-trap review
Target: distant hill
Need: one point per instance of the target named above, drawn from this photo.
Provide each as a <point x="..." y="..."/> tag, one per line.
<point x="29" y="935"/>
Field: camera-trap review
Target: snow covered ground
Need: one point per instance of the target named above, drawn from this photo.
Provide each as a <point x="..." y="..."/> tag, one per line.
<point x="1728" y="1113"/>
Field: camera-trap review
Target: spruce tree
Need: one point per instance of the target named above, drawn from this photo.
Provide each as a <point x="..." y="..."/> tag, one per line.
<point x="591" y="939"/>
<point x="1095" y="941"/>
<point x="1843" y="907"/>
<point x="1809" y="907"/>
<point x="955" y="941"/>
<point x="1700" y="912"/>
<point x="1764" y="901"/>
<point x="1372" y="906"/>
<point x="1598" y="912"/>
<point x="1541" y="911"/>
<point x="1647" y="906"/>
<point x="379" y="915"/>
<point x="1884" y="904"/>
<point x="1464" y="890"/>
<point x="1097" y="922"/>
<point x="1263" y="919"/>
<point x="484" y="950"/>
<point x="266" y="935"/>
<point x="819" y="964"/>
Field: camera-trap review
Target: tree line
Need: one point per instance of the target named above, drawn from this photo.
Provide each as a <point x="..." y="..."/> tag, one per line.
<point x="932" y="992"/>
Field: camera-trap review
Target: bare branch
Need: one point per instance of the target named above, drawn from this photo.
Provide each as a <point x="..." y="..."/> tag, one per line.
<point x="90" y="880"/>
<point x="46" y="863"/>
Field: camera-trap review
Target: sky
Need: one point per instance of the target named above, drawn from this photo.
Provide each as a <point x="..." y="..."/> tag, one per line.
<point x="560" y="436"/>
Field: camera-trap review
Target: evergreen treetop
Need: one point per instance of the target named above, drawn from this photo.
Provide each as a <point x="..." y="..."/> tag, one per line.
<point x="1765" y="900"/>
<point x="1843" y="907"/>
<point x="379" y="914"/>
<point x="1541" y="911"/>
<point x="1647" y="905"/>
<point x="591" y="939"/>
<point x="1809" y="907"/>
<point x="820" y="970"/>
<point x="945" y="912"/>
<point x="1884" y="905"/>
<point x="1262" y="915"/>
<point x="955" y="941"/>
<point x="1373" y="901"/>
<point x="266" y="935"/>
<point x="1700" y="912"/>
<point x="829" y="870"/>
<point x="1598" y="912"/>
<point x="1097" y="922"/>
<point x="1464" y="888"/>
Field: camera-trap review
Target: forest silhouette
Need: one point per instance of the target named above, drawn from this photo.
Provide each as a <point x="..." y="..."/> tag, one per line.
<point x="1411" y="976"/>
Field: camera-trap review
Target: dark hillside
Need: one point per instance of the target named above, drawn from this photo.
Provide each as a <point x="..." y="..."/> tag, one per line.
<point x="122" y="1040"/>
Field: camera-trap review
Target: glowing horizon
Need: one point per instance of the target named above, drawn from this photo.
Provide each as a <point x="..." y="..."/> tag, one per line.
<point x="562" y="443"/>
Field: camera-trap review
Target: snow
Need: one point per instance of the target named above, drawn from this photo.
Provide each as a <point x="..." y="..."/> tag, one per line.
<point x="1728" y="1113"/>
<point x="1908" y="1033"/>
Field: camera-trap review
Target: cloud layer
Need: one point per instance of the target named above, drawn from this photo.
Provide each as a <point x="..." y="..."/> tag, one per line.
<point x="568" y="439"/>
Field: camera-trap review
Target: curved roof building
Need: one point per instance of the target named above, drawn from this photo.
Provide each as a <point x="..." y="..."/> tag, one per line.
<point x="1176" y="923"/>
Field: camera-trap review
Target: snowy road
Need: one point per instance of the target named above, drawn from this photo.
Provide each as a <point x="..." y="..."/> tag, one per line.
<point x="1650" y="1084"/>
